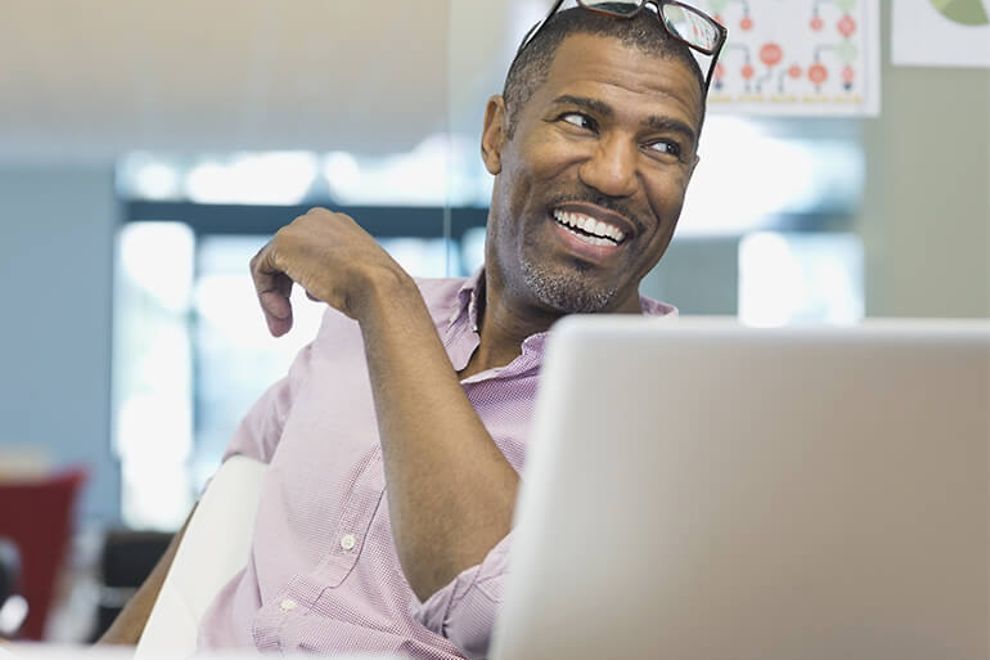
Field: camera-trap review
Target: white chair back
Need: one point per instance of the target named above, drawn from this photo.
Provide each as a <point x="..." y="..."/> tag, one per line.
<point x="216" y="545"/>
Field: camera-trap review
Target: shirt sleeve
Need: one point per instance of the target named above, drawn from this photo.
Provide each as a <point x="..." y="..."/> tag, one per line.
<point x="464" y="610"/>
<point x="259" y="432"/>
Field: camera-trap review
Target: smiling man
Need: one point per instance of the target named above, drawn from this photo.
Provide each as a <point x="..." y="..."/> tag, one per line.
<point x="396" y="440"/>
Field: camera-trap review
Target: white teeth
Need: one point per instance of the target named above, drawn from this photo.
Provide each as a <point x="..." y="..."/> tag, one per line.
<point x="604" y="233"/>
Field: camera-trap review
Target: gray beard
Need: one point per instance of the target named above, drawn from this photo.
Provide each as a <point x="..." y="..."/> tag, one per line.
<point x="565" y="292"/>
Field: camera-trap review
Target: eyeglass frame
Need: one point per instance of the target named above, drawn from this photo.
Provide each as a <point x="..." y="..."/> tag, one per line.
<point x="714" y="53"/>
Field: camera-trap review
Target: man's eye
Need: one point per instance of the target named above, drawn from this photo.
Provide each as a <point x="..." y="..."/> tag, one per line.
<point x="665" y="147"/>
<point x="579" y="120"/>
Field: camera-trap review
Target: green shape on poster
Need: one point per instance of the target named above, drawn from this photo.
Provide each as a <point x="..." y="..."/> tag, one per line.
<point x="845" y="5"/>
<point x="847" y="52"/>
<point x="966" y="12"/>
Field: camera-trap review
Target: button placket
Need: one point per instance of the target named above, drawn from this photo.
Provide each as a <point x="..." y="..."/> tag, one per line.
<point x="269" y="624"/>
<point x="357" y="515"/>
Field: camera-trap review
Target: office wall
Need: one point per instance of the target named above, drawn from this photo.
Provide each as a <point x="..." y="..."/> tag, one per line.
<point x="56" y="256"/>
<point x="926" y="216"/>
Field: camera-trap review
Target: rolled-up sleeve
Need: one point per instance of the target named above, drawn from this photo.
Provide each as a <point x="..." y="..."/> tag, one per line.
<point x="464" y="610"/>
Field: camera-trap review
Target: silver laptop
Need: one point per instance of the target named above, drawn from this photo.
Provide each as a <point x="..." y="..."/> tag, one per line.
<point x="698" y="490"/>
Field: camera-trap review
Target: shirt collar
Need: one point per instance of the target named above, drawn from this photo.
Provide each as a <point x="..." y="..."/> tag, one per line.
<point x="467" y="300"/>
<point x="534" y="343"/>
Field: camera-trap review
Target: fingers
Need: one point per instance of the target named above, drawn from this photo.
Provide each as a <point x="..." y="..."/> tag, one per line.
<point x="278" y="312"/>
<point x="273" y="288"/>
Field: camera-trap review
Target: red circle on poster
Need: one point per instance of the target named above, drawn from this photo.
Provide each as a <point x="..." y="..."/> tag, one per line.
<point x="771" y="54"/>
<point x="817" y="74"/>
<point x="846" y="26"/>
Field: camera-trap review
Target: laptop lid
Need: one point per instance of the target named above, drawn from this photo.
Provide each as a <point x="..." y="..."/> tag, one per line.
<point x="702" y="490"/>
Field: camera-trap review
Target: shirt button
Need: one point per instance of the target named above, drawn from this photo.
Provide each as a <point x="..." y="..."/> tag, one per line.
<point x="287" y="605"/>
<point x="347" y="542"/>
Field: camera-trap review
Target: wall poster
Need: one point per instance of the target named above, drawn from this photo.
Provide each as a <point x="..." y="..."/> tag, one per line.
<point x="797" y="57"/>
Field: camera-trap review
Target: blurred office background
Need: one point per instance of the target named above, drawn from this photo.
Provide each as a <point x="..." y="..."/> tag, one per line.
<point x="147" y="150"/>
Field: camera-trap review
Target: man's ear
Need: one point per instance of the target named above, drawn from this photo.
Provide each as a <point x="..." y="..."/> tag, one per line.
<point x="697" y="159"/>
<point x="494" y="134"/>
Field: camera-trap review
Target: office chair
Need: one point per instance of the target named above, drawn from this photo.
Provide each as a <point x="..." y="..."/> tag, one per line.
<point x="38" y="514"/>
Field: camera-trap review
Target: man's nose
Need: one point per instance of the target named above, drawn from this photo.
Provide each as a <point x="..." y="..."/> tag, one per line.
<point x="612" y="169"/>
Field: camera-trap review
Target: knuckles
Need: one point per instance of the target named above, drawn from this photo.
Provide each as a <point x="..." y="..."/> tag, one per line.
<point x="320" y="214"/>
<point x="317" y="237"/>
<point x="281" y="236"/>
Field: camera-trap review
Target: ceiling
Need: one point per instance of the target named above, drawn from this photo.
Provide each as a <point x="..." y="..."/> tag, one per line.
<point x="87" y="81"/>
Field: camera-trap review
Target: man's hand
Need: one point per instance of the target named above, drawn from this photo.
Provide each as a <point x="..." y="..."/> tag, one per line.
<point x="331" y="257"/>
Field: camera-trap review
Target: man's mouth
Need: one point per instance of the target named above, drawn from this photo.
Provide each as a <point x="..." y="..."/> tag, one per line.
<point x="588" y="229"/>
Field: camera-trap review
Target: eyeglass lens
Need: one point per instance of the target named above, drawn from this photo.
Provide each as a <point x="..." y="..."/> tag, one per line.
<point x="692" y="27"/>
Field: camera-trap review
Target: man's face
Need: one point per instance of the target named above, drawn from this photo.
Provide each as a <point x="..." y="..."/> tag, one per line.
<point x="590" y="186"/>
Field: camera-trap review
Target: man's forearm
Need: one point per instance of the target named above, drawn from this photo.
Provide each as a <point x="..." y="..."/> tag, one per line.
<point x="451" y="492"/>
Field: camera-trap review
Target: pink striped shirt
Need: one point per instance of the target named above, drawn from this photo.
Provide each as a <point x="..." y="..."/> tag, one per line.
<point x="323" y="574"/>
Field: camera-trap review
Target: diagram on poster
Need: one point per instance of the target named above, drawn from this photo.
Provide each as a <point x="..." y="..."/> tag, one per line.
<point x="797" y="57"/>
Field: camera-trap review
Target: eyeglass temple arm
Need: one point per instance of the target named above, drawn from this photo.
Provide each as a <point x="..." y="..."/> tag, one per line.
<point x="711" y="67"/>
<point x="536" y="26"/>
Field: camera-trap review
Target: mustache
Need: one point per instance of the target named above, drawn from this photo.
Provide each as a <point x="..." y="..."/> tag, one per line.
<point x="614" y="204"/>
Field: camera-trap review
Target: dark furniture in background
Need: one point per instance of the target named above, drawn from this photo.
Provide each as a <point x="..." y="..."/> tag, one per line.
<point x="10" y="571"/>
<point x="128" y="558"/>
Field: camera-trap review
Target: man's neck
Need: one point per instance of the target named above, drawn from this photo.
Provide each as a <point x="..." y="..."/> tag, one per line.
<point x="502" y="326"/>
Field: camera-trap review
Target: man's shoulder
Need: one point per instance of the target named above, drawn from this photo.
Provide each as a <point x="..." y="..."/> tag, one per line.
<point x="440" y="294"/>
<point x="440" y="291"/>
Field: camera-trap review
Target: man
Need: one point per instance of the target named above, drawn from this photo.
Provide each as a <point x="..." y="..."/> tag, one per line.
<point x="428" y="387"/>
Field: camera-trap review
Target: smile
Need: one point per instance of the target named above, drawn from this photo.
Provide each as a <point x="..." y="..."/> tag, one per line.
<point x="588" y="229"/>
